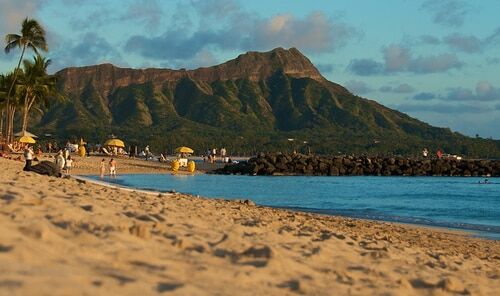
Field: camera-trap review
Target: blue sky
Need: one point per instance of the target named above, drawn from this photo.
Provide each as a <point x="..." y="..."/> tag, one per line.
<point x="438" y="61"/>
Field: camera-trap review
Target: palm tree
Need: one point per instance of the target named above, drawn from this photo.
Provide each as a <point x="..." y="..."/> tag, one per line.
<point x="36" y="85"/>
<point x="3" y="96"/>
<point x="32" y="37"/>
<point x="5" y="82"/>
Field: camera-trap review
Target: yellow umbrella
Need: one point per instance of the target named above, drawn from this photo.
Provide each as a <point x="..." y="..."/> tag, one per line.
<point x="115" y="142"/>
<point x="184" y="149"/>
<point x="27" y="139"/>
<point x="25" y="133"/>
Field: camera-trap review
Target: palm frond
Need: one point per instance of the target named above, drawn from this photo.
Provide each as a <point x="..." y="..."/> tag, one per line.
<point x="12" y="41"/>
<point x="40" y="42"/>
<point x="11" y="37"/>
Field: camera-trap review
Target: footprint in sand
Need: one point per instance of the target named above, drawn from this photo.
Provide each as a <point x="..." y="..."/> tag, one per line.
<point x="448" y="284"/>
<point x="87" y="208"/>
<point x="293" y="285"/>
<point x="5" y="249"/>
<point x="149" y="266"/>
<point x="10" y="284"/>
<point x="8" y="197"/>
<point x="257" y="256"/>
<point x="168" y="287"/>
<point x="222" y="239"/>
<point x="122" y="280"/>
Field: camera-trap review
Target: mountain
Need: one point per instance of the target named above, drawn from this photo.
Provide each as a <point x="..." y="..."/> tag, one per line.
<point x="254" y="102"/>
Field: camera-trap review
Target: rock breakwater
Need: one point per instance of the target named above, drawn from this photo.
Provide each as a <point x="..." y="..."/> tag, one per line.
<point x="299" y="164"/>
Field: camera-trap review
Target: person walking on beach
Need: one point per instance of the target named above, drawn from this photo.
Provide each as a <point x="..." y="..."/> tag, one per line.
<point x="223" y="154"/>
<point x="103" y="168"/>
<point x="147" y="152"/>
<point x="60" y="161"/>
<point x="112" y="168"/>
<point x="28" y="156"/>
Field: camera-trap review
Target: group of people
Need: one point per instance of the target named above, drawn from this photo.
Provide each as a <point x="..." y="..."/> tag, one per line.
<point x="64" y="161"/>
<point x="211" y="155"/>
<point x="112" y="168"/>
<point x="425" y="153"/>
<point x="145" y="153"/>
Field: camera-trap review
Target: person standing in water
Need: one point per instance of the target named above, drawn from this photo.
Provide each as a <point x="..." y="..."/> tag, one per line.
<point x="112" y="168"/>
<point x="103" y="168"/>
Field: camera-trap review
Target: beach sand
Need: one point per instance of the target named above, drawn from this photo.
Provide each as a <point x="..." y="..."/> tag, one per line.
<point x="62" y="236"/>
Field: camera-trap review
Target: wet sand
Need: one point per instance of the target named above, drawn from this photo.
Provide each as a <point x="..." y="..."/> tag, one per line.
<point x="62" y="236"/>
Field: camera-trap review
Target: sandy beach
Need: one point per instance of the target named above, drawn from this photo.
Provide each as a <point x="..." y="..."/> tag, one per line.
<point x="62" y="236"/>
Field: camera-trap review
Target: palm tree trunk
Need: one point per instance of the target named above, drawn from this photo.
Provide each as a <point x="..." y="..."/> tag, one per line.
<point x="1" y="126"/>
<point x="26" y="120"/>
<point x="10" y="124"/>
<point x="10" y="120"/>
<point x="25" y="111"/>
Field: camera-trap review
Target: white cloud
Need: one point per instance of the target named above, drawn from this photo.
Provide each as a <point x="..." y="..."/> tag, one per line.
<point x="469" y="44"/>
<point x="399" y="89"/>
<point x="240" y="30"/>
<point x="396" y="57"/>
<point x="148" y="12"/>
<point x="447" y="12"/>
<point x="399" y="58"/>
<point x="89" y="49"/>
<point x="442" y="108"/>
<point x="357" y="87"/>
<point x="13" y="12"/>
<point x="484" y="91"/>
<point x="314" y="33"/>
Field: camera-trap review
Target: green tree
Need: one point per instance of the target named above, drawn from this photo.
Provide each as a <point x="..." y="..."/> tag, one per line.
<point x="36" y="85"/>
<point x="5" y="83"/>
<point x="3" y="97"/>
<point x="32" y="37"/>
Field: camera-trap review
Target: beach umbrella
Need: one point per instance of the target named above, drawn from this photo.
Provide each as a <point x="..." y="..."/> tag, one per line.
<point x="115" y="143"/>
<point x="184" y="149"/>
<point x="25" y="133"/>
<point x="27" y="139"/>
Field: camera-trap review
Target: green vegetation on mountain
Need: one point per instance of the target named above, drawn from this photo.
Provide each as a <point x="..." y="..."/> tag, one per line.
<point x="256" y="102"/>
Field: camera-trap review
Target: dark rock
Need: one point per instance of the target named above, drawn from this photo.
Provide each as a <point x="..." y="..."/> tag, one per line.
<point x="298" y="164"/>
<point x="46" y="168"/>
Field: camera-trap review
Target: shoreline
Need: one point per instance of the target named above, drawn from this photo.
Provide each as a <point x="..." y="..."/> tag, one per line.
<point x="100" y="240"/>
<point x="473" y="233"/>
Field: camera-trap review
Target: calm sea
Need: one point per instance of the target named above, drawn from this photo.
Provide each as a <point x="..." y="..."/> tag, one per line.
<point x="453" y="202"/>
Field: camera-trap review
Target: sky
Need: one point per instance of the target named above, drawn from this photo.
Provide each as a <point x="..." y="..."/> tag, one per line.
<point x="437" y="61"/>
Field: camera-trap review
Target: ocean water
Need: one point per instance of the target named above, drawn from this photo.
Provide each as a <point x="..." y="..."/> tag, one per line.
<point x="452" y="202"/>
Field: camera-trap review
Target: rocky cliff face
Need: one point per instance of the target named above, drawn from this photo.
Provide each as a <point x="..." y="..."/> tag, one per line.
<point x="254" y="66"/>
